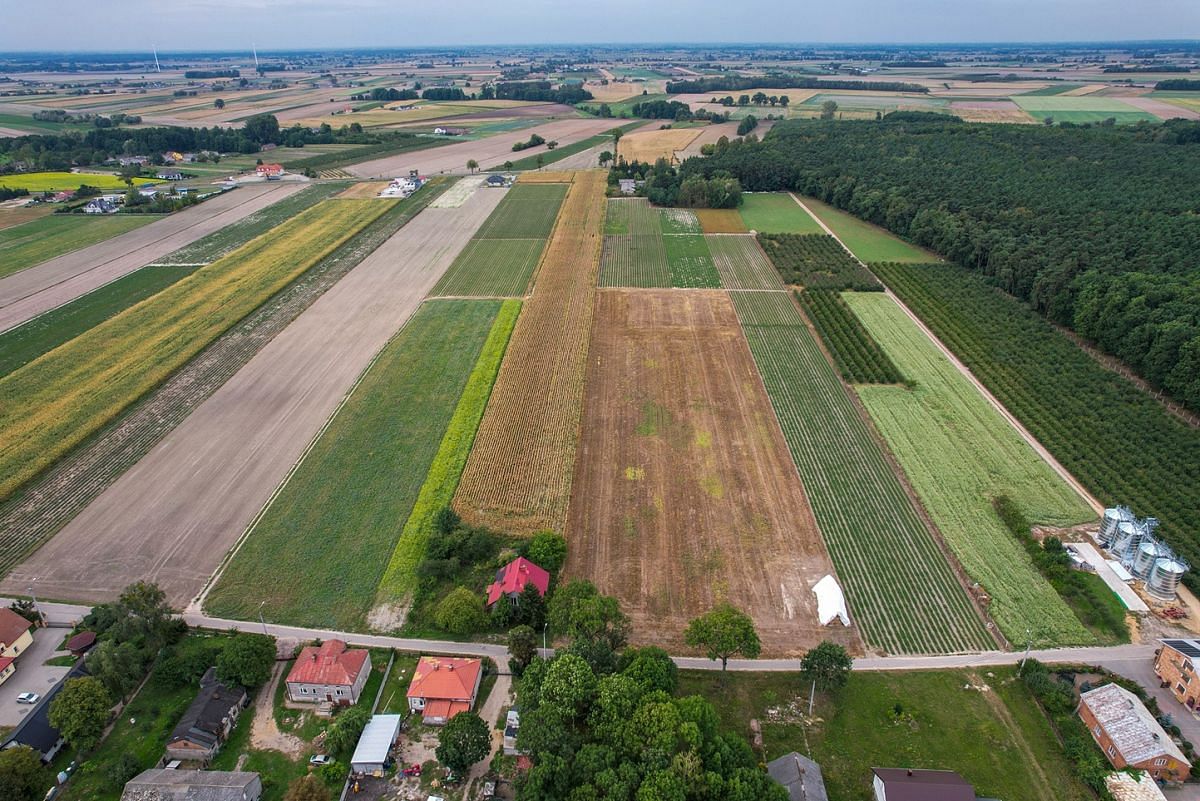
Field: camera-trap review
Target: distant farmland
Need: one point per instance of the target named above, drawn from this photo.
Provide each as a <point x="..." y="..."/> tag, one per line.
<point x="34" y="242"/>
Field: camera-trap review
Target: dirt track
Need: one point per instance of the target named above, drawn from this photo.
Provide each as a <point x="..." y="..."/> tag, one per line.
<point x="488" y="152"/>
<point x="684" y="494"/>
<point x="172" y="517"/>
<point x="45" y="286"/>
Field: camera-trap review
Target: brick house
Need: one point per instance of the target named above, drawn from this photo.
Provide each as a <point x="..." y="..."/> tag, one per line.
<point x="1129" y="735"/>
<point x="1175" y="666"/>
<point x="208" y="721"/>
<point x="443" y="686"/>
<point x="330" y="673"/>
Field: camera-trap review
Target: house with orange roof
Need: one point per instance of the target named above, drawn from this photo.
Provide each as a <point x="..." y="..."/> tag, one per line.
<point x="269" y="171"/>
<point x="331" y="673"/>
<point x="16" y="635"/>
<point x="444" y="686"/>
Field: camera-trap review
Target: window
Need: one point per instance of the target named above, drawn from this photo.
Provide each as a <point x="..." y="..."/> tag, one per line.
<point x="1096" y="730"/>
<point x="1112" y="751"/>
<point x="1160" y="762"/>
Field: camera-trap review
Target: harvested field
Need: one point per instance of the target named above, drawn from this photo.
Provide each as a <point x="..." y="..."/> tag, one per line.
<point x="720" y="221"/>
<point x="685" y="495"/>
<point x="205" y="482"/>
<point x="38" y="289"/>
<point x="649" y="146"/>
<point x="34" y="242"/>
<point x="457" y="194"/>
<point x="364" y="189"/>
<point x="495" y="149"/>
<point x="742" y="263"/>
<point x="518" y="477"/>
<point x="50" y="405"/>
<point x="11" y="214"/>
<point x="546" y="177"/>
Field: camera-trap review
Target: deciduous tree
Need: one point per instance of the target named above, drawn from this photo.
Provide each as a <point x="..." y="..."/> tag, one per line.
<point x="21" y="774"/>
<point x="80" y="712"/>
<point x="463" y="741"/>
<point x="247" y="659"/>
<point x="724" y="632"/>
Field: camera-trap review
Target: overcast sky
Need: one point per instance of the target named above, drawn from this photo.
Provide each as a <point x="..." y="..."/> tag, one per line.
<point x="131" y="25"/>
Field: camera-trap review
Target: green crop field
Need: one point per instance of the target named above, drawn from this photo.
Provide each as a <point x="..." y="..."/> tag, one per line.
<point x="902" y="593"/>
<point x="633" y="253"/>
<point x="528" y="211"/>
<point x="678" y="221"/>
<point x="742" y="263"/>
<point x="868" y="242"/>
<point x="234" y="235"/>
<point x="1084" y="414"/>
<point x="1085" y="108"/>
<point x="399" y="582"/>
<point x="491" y="268"/>
<point x="335" y="523"/>
<point x="42" y="334"/>
<point x="52" y="404"/>
<point x="62" y="181"/>
<point x="960" y="453"/>
<point x="816" y="261"/>
<point x="776" y="213"/>
<point x="34" y="242"/>
<point x="855" y="352"/>
<point x="1054" y="89"/>
<point x="689" y="261"/>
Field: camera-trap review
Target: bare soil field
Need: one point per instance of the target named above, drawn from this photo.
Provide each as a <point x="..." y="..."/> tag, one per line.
<point x="172" y="517"/>
<point x="1162" y="109"/>
<point x="989" y="111"/>
<point x="15" y="213"/>
<point x="492" y="150"/>
<point x="685" y="495"/>
<point x="31" y="292"/>
<point x="649" y="146"/>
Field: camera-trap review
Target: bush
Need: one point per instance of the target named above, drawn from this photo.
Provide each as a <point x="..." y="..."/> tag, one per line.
<point x="460" y="612"/>
<point x="547" y="550"/>
<point x="247" y="659"/>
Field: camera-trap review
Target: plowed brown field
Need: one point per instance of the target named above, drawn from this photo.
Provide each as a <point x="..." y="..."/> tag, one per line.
<point x="684" y="493"/>
<point x="518" y="477"/>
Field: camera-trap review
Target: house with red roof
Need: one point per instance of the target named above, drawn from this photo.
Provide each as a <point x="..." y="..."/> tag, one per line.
<point x="16" y="636"/>
<point x="511" y="580"/>
<point x="331" y="673"/>
<point x="444" y="686"/>
<point x="269" y="170"/>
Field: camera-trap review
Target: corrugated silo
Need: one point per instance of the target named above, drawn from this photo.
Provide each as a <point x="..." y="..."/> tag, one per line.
<point x="1165" y="577"/>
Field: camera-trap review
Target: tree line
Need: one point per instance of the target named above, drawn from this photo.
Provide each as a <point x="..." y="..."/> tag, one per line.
<point x="736" y="83"/>
<point x="541" y="91"/>
<point x="1095" y="228"/>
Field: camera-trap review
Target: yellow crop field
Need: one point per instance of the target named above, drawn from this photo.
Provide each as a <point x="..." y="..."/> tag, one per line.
<point x="548" y="177"/>
<point x="649" y="146"/>
<point x="363" y="189"/>
<point x="62" y="181"/>
<point x="55" y="402"/>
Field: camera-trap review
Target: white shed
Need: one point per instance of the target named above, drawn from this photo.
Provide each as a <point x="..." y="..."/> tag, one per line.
<point x="371" y="754"/>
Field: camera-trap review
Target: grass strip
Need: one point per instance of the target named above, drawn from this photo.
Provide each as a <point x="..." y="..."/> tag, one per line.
<point x="400" y="580"/>
<point x="560" y="153"/>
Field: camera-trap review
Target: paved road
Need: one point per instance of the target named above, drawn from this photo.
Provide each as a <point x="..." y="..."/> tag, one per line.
<point x="1141" y="670"/>
<point x="32" y="675"/>
<point x="38" y="289"/>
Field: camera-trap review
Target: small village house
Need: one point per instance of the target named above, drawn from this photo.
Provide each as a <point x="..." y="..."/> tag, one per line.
<point x="443" y="686"/>
<point x="330" y="673"/>
<point x="268" y="170"/>
<point x="16" y="633"/>
<point x="1175" y="666"/>
<point x="169" y="175"/>
<point x="512" y="579"/>
<point x="800" y="776"/>
<point x="1129" y="735"/>
<point x="208" y="721"/>
<point x="172" y="157"/>
<point x="906" y="784"/>
<point x="159" y="784"/>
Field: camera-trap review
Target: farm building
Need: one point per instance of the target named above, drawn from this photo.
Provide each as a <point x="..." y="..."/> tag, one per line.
<point x="374" y="748"/>
<point x="901" y="784"/>
<point x="800" y="776"/>
<point x="208" y="720"/>
<point x="268" y="170"/>
<point x="159" y="784"/>
<point x="330" y="673"/>
<point x="169" y="175"/>
<point x="172" y="157"/>
<point x="81" y="643"/>
<point x="1129" y="735"/>
<point x="444" y="686"/>
<point x="512" y="579"/>
<point x="1175" y="666"/>
<point x="1124" y="787"/>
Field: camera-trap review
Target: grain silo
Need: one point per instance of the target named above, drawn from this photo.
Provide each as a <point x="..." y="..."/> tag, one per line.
<point x="1165" y="577"/>
<point x="1148" y="552"/>
<point x="1113" y="517"/>
<point x="1129" y="536"/>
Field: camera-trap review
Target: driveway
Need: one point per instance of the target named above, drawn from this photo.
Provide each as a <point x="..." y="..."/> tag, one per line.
<point x="1142" y="671"/>
<point x="31" y="675"/>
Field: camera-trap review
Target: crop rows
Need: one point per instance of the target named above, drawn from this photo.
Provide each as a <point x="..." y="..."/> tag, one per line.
<point x="1112" y="436"/>
<point x="678" y="221"/>
<point x="816" y="261"/>
<point x="857" y="355"/>
<point x="634" y="260"/>
<point x="528" y="211"/>
<point x="902" y="593"/>
<point x="50" y="501"/>
<point x="34" y="242"/>
<point x="689" y="262"/>
<point x="519" y="473"/>
<point x="633" y="215"/>
<point x="742" y="264"/>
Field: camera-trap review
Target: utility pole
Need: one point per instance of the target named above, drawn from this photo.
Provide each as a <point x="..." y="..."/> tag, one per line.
<point x="545" y="626"/>
<point x="37" y="606"/>
<point x="1028" y="645"/>
<point x="811" y="695"/>
<point x="260" y="617"/>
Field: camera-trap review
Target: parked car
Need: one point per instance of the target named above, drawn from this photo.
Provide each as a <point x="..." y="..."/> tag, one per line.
<point x="320" y="759"/>
<point x="28" y="698"/>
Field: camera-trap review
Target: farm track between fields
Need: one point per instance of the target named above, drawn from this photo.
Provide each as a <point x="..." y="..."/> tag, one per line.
<point x="35" y="290"/>
<point x="43" y="507"/>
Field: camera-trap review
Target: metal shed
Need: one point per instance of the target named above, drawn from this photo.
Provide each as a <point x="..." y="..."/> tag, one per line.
<point x="375" y="745"/>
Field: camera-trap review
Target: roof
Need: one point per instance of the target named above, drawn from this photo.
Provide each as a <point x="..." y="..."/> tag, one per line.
<point x="84" y="639"/>
<point x="159" y="784"/>
<point x="1134" y="732"/>
<point x="924" y="785"/>
<point x="513" y="577"/>
<point x="444" y="710"/>
<point x="35" y="730"/>
<point x="1124" y="787"/>
<point x="5" y="661"/>
<point x="12" y="626"/>
<point x="800" y="776"/>
<point x="1189" y="648"/>
<point x="445" y="678"/>
<point x="269" y="168"/>
<point x="203" y="722"/>
<point x="331" y="663"/>
<point x="376" y="741"/>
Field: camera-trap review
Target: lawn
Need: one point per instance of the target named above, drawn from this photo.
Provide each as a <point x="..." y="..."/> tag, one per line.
<point x="959" y="453"/>
<point x="21" y="345"/>
<point x="61" y="181"/>
<point x="335" y="523"/>
<point x="776" y="213"/>
<point x="31" y="243"/>
<point x="868" y="242"/>
<point x="51" y="405"/>
<point x="997" y="737"/>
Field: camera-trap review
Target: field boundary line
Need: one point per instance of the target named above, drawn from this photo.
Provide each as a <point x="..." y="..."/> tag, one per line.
<point x="1033" y="442"/>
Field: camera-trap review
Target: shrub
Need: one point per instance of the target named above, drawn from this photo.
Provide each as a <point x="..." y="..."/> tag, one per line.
<point x="460" y="612"/>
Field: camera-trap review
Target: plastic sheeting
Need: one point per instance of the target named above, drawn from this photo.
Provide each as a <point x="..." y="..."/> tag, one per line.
<point x="831" y="603"/>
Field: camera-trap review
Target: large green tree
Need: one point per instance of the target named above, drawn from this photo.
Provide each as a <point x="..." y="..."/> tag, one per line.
<point x="80" y="711"/>
<point x="247" y="659"/>
<point x="722" y="633"/>
<point x="347" y="727"/>
<point x="21" y="775"/>
<point x="460" y="612"/>
<point x="828" y="664"/>
<point x="463" y="741"/>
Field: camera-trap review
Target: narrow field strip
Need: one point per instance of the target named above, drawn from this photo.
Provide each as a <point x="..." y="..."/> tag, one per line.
<point x="77" y="388"/>
<point x="34" y="242"/>
<point x="528" y="211"/>
<point x="721" y="221"/>
<point x="336" y="521"/>
<point x="856" y="354"/>
<point x="689" y="262"/>
<point x="400" y="579"/>
<point x="518" y="477"/>
<point x="902" y="592"/>
<point x="869" y="243"/>
<point x="959" y="454"/>
<point x="47" y="503"/>
<point x="741" y="263"/>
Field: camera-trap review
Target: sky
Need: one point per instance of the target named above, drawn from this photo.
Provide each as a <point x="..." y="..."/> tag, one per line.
<point x="134" y="25"/>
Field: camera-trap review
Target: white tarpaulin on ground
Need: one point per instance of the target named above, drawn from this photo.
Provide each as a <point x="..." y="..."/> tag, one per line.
<point x="831" y="603"/>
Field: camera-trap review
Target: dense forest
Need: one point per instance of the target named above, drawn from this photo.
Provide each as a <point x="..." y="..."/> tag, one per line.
<point x="541" y="91"/>
<point x="1098" y="228"/>
<point x="736" y="83"/>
